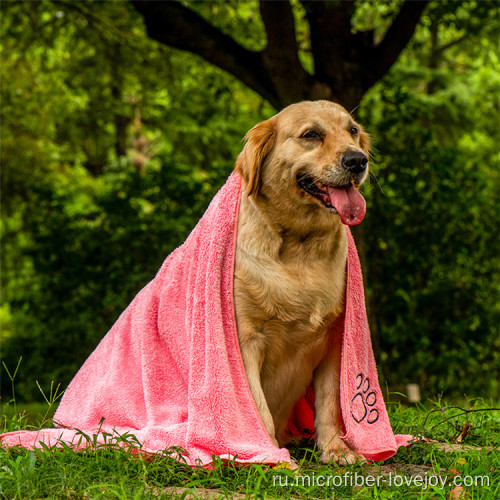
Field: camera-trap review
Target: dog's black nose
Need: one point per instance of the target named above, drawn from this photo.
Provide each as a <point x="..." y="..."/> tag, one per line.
<point x="355" y="161"/>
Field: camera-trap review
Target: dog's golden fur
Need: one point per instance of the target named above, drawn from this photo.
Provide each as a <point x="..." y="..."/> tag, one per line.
<point x="290" y="265"/>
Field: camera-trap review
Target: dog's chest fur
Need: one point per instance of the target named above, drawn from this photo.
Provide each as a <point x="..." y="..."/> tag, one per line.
<point x="286" y="277"/>
<point x="288" y="290"/>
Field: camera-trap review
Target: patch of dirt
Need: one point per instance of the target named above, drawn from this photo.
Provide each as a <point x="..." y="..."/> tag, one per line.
<point x="454" y="447"/>
<point x="194" y="493"/>
<point x="398" y="469"/>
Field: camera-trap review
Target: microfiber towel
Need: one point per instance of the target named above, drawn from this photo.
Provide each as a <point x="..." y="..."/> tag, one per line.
<point x="367" y="426"/>
<point x="170" y="372"/>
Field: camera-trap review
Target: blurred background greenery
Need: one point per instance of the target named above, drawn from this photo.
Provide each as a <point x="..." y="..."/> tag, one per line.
<point x="114" y="144"/>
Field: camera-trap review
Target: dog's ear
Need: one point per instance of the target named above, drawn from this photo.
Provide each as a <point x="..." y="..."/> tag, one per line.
<point x="259" y="143"/>
<point x="365" y="142"/>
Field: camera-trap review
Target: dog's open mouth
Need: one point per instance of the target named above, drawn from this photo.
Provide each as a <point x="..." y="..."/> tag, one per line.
<point x="347" y="201"/>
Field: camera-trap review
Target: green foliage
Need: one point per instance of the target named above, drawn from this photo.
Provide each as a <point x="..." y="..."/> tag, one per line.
<point x="109" y="183"/>
<point x="113" y="146"/>
<point x="431" y="228"/>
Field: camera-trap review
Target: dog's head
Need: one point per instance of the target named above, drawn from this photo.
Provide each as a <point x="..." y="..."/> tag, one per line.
<point x="311" y="158"/>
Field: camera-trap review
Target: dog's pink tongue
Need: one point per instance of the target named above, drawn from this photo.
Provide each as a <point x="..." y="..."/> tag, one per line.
<point x="349" y="203"/>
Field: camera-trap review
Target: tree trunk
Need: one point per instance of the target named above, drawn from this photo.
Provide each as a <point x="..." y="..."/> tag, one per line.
<point x="346" y="64"/>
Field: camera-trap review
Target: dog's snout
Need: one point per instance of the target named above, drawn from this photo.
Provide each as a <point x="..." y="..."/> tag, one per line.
<point x="355" y="161"/>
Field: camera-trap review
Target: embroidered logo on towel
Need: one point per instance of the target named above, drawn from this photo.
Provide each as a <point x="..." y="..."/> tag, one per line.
<point x="363" y="402"/>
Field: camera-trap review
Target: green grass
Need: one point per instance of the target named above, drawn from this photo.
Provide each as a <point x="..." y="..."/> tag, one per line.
<point x="116" y="472"/>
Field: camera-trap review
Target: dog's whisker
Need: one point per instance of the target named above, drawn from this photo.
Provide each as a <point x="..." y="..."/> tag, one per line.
<point x="313" y="180"/>
<point x="372" y="175"/>
<point x="353" y="110"/>
<point x="312" y="183"/>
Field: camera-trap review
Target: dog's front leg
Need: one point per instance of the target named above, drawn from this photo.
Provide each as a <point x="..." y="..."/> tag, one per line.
<point x="252" y="352"/>
<point x="328" y="421"/>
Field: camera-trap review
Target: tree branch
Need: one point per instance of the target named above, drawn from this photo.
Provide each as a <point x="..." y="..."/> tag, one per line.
<point x="385" y="54"/>
<point x="280" y="27"/>
<point x="448" y="45"/>
<point x="330" y="28"/>
<point x="281" y="56"/>
<point x="173" y="24"/>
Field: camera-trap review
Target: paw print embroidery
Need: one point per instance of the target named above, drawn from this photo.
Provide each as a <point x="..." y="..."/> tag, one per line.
<point x="363" y="402"/>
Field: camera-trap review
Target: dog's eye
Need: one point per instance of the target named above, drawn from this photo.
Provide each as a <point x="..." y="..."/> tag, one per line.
<point x="311" y="135"/>
<point x="354" y="131"/>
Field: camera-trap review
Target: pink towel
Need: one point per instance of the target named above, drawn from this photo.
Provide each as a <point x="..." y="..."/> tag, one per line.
<point x="170" y="370"/>
<point x="367" y="426"/>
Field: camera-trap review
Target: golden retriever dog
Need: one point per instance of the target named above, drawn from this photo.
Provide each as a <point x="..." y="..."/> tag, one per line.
<point x="301" y="170"/>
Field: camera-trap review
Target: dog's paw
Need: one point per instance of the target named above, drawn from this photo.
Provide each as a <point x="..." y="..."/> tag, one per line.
<point x="338" y="452"/>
